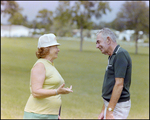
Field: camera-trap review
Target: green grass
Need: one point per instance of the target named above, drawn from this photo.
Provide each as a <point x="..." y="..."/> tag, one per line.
<point x="83" y="70"/>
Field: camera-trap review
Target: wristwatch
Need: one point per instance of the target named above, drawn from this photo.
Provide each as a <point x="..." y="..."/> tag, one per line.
<point x="109" y="109"/>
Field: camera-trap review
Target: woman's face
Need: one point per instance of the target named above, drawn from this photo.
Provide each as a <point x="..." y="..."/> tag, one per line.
<point x="54" y="52"/>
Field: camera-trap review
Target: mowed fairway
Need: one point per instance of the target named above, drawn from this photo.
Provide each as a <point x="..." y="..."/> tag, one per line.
<point x="83" y="70"/>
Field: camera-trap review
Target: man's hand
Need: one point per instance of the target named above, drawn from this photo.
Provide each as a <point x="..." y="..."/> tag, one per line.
<point x="109" y="115"/>
<point x="101" y="116"/>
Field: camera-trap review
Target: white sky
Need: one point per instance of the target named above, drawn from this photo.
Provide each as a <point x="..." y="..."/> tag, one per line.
<point x="31" y="8"/>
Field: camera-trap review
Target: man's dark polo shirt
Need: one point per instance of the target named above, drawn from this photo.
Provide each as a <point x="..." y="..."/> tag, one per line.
<point x="119" y="66"/>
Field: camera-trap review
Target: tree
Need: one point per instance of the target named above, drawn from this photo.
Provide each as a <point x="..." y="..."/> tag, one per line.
<point x="134" y="15"/>
<point x="25" y="21"/>
<point x="83" y="11"/>
<point x="17" y="19"/>
<point x="11" y="8"/>
<point x="115" y="24"/>
<point x="63" y="19"/>
<point x="45" y="18"/>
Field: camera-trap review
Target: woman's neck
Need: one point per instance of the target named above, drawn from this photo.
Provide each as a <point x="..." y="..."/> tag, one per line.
<point x="49" y="58"/>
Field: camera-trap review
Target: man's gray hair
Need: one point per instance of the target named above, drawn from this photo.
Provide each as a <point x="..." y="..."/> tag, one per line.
<point x="106" y="32"/>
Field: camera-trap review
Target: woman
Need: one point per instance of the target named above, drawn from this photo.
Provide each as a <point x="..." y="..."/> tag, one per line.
<point x="46" y="84"/>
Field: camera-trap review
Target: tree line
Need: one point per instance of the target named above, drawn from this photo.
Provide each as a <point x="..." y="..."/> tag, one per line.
<point x="132" y="15"/>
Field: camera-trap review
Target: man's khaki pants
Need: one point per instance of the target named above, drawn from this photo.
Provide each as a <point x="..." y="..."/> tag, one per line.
<point x="121" y="110"/>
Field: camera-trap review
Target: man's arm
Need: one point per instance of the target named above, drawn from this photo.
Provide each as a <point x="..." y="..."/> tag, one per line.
<point x="117" y="90"/>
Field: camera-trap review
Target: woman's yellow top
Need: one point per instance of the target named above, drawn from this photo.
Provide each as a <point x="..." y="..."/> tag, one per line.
<point x="48" y="105"/>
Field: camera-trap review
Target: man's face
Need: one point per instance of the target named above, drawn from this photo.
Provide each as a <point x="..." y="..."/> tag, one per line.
<point x="101" y="44"/>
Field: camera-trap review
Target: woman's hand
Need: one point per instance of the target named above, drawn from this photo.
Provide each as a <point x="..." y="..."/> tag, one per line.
<point x="62" y="90"/>
<point x="59" y="117"/>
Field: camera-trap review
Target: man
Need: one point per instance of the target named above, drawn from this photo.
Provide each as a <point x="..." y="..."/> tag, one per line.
<point x="117" y="79"/>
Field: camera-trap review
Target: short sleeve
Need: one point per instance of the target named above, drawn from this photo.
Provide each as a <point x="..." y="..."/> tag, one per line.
<point x="120" y="65"/>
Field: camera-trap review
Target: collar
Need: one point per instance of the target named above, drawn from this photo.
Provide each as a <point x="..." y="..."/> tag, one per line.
<point x="115" y="51"/>
<point x="48" y="61"/>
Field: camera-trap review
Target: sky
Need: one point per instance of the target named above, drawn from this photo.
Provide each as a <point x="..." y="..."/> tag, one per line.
<point x="31" y="8"/>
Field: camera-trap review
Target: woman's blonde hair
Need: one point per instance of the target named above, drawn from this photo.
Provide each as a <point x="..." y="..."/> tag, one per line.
<point x="42" y="52"/>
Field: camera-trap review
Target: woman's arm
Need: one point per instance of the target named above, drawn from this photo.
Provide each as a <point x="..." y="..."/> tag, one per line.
<point x="37" y="80"/>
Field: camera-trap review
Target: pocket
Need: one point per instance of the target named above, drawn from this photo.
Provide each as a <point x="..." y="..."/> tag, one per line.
<point x="110" y="70"/>
<point x="126" y="104"/>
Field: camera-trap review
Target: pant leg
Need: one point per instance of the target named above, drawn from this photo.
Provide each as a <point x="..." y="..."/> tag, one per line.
<point x="31" y="115"/>
<point x="106" y="105"/>
<point x="121" y="110"/>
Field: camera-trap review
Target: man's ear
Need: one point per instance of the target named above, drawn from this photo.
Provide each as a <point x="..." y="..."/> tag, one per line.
<point x="108" y="40"/>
